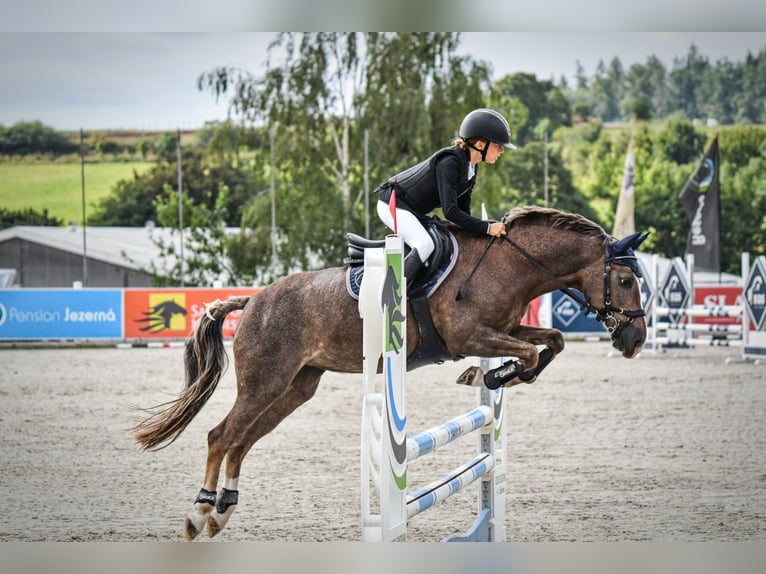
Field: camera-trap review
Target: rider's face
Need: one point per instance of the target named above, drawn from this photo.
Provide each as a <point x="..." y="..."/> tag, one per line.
<point x="495" y="151"/>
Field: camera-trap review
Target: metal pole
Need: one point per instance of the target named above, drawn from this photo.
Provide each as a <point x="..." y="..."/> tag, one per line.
<point x="545" y="165"/>
<point x="84" y="221"/>
<point x="366" y="186"/>
<point x="180" y="207"/>
<point x="272" y="131"/>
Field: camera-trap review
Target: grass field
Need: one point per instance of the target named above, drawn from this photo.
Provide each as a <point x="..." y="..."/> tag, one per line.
<point x="57" y="187"/>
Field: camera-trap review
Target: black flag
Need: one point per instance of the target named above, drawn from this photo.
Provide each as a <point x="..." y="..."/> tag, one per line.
<point x="701" y="198"/>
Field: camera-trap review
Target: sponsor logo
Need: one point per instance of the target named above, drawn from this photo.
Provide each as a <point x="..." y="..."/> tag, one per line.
<point x="167" y="312"/>
<point x="566" y="310"/>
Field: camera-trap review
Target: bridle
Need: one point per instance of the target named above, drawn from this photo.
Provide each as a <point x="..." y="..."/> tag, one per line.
<point x="605" y="315"/>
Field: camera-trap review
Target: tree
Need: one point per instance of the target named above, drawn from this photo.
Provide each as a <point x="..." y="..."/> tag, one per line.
<point x="679" y="141"/>
<point x="27" y="216"/>
<point x="685" y="82"/>
<point x="607" y="90"/>
<point x="639" y="109"/>
<point x="646" y="83"/>
<point x="542" y="100"/>
<point x="407" y="90"/>
<point x="205" y="243"/>
<point x="132" y="202"/>
<point x="30" y="138"/>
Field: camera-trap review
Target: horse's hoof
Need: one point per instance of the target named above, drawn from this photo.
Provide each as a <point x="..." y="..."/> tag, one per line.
<point x="217" y="521"/>
<point x="472" y="377"/>
<point x="193" y="527"/>
<point x="212" y="527"/>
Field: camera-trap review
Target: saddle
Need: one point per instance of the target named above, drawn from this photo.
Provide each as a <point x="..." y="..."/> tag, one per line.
<point x="434" y="271"/>
<point x="431" y="348"/>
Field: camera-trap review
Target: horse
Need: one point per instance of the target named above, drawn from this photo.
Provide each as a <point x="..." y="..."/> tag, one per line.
<point x="301" y="325"/>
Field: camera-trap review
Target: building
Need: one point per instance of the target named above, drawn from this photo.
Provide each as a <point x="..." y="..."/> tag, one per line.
<point x="54" y="256"/>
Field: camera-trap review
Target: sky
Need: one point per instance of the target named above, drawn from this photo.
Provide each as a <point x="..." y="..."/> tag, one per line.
<point x="148" y="81"/>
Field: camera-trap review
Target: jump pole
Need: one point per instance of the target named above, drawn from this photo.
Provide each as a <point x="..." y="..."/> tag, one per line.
<point x="386" y="449"/>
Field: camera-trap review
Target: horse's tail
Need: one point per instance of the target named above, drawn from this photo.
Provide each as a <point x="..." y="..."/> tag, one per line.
<point x="205" y="360"/>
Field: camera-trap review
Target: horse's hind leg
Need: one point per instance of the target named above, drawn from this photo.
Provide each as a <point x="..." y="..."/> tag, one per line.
<point x="206" y="499"/>
<point x="237" y="445"/>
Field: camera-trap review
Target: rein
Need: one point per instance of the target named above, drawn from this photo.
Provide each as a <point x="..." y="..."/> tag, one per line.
<point x="605" y="316"/>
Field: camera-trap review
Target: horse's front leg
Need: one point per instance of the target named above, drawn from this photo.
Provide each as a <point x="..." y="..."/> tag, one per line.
<point x="553" y="340"/>
<point x="520" y="343"/>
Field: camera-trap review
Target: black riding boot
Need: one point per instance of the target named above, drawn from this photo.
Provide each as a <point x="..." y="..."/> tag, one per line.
<point x="412" y="266"/>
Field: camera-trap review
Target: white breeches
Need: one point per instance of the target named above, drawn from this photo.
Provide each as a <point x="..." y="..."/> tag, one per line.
<point x="409" y="228"/>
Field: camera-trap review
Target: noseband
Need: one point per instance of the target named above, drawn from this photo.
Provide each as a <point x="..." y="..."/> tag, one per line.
<point x="605" y="315"/>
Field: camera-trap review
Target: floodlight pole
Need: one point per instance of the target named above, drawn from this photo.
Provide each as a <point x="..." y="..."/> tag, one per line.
<point x="545" y="168"/>
<point x="180" y="207"/>
<point x="84" y="233"/>
<point x="273" y="190"/>
<point x="366" y="185"/>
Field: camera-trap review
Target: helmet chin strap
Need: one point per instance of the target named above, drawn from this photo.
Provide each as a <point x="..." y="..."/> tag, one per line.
<point x="483" y="151"/>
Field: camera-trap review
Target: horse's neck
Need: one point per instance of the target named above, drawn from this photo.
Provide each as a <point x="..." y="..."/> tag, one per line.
<point x="566" y="256"/>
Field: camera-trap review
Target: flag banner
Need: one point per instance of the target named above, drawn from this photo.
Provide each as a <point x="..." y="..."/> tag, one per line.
<point x="624" y="219"/>
<point x="701" y="199"/>
<point x="392" y="208"/>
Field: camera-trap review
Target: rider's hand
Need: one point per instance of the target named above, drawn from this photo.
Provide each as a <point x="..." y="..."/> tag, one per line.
<point x="497" y="229"/>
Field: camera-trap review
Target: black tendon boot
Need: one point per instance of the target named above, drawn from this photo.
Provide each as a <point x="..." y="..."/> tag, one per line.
<point x="412" y="266"/>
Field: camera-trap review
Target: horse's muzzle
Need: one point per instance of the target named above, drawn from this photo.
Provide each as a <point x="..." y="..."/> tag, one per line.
<point x="629" y="339"/>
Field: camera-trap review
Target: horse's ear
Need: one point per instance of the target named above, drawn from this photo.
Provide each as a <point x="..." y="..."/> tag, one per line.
<point x="623" y="251"/>
<point x="628" y="243"/>
<point x="621" y="246"/>
<point x="638" y="239"/>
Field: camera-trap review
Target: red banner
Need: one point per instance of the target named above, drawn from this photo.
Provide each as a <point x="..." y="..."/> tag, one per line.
<point x="717" y="296"/>
<point x="174" y="313"/>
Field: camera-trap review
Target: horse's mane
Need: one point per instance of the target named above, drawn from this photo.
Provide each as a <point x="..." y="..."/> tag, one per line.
<point x="547" y="216"/>
<point x="556" y="218"/>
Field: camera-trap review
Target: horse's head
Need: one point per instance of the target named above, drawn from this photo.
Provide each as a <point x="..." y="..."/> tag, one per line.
<point x="577" y="254"/>
<point x="621" y="313"/>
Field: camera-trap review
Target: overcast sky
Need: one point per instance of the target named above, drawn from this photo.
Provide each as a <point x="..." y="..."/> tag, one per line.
<point x="148" y="80"/>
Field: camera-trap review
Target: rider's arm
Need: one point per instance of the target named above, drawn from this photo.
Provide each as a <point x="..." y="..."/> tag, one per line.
<point x="447" y="178"/>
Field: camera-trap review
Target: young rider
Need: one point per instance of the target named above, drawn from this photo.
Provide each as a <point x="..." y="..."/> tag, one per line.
<point x="445" y="180"/>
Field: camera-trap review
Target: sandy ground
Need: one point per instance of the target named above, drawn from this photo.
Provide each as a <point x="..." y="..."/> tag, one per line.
<point x="667" y="447"/>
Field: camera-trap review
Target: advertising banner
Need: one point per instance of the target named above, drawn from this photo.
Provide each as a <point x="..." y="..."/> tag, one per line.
<point x="701" y="198"/>
<point x="569" y="318"/>
<point x="60" y="314"/>
<point x="174" y="313"/>
<point x="717" y="296"/>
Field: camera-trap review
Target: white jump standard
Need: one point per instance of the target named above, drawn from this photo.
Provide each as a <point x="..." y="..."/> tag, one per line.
<point x="386" y="448"/>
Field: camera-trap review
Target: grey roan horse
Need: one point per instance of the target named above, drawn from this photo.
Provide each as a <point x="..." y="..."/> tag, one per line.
<point x="302" y="325"/>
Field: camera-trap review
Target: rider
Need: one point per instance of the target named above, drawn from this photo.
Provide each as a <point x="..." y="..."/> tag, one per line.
<point x="445" y="180"/>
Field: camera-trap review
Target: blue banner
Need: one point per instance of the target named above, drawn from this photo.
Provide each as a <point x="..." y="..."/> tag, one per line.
<point x="569" y="318"/>
<point x="60" y="314"/>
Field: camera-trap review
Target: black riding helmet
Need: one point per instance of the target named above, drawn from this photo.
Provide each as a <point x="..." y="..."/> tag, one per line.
<point x="487" y="124"/>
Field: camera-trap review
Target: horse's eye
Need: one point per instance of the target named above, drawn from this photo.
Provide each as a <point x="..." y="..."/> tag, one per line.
<point x="626" y="281"/>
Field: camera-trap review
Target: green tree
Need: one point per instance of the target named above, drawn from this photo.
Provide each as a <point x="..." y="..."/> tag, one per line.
<point x="679" y="141"/>
<point x="639" y="110"/>
<point x="750" y="108"/>
<point x="205" y="243"/>
<point x="27" y="216"/>
<point x="543" y="102"/>
<point x="408" y="90"/>
<point x="607" y="90"/>
<point x="31" y="138"/>
<point x="648" y="84"/>
<point x="686" y="81"/>
<point x="132" y="202"/>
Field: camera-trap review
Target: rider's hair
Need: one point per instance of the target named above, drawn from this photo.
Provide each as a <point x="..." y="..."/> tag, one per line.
<point x="465" y="144"/>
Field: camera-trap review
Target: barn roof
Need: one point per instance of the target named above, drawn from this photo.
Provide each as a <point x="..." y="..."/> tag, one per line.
<point x="130" y="247"/>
